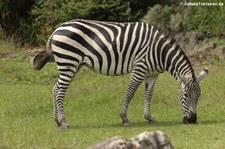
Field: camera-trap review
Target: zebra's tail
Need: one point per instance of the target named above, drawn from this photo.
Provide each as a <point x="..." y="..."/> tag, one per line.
<point x="43" y="57"/>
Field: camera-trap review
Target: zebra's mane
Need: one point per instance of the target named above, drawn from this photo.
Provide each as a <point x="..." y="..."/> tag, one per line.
<point x="172" y="41"/>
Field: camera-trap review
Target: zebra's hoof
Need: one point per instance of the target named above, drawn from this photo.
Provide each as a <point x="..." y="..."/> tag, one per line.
<point x="126" y="124"/>
<point x="64" y="126"/>
<point x="151" y="121"/>
<point x="125" y="121"/>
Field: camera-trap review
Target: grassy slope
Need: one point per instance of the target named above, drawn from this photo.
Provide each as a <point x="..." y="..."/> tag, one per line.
<point x="92" y="107"/>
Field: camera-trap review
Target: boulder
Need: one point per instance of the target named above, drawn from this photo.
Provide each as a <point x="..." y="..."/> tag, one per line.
<point x="219" y="52"/>
<point x="145" y="140"/>
<point x="187" y="40"/>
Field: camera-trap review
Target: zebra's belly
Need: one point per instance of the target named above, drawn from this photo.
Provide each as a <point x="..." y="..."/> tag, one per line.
<point x="107" y="69"/>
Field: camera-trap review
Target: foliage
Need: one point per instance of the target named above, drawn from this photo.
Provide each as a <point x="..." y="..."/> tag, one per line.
<point x="185" y="18"/>
<point x="68" y="10"/>
<point x="33" y="21"/>
<point x="107" y="10"/>
<point x="15" y="19"/>
<point x="207" y="18"/>
<point x="159" y="16"/>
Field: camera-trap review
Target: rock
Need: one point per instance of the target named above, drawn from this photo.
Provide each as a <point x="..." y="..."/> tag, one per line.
<point x="116" y="142"/>
<point x="187" y="40"/>
<point x="221" y="36"/>
<point x="219" y="52"/>
<point x="198" y="50"/>
<point x="145" y="140"/>
<point x="207" y="47"/>
<point x="152" y="140"/>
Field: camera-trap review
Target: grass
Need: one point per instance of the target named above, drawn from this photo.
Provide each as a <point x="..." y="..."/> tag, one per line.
<point x="92" y="107"/>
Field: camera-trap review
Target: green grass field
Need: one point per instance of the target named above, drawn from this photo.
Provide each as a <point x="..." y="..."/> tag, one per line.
<point x="92" y="105"/>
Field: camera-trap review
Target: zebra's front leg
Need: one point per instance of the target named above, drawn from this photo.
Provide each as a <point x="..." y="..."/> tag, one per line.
<point x="149" y="85"/>
<point x="134" y="83"/>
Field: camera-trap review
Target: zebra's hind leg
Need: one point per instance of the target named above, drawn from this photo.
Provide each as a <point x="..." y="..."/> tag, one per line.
<point x="136" y="79"/>
<point x="59" y="90"/>
<point x="55" y="111"/>
<point x="149" y="85"/>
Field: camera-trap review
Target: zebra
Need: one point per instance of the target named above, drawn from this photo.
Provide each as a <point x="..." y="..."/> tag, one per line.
<point x="117" y="48"/>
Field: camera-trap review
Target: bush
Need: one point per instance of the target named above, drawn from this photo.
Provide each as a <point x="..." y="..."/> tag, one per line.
<point x="167" y="18"/>
<point x="32" y="21"/>
<point x="181" y="18"/>
<point x="14" y="15"/>
<point x="159" y="16"/>
<point x="207" y="18"/>
<point x="117" y="10"/>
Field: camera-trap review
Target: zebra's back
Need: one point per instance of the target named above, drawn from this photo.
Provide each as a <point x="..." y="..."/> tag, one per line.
<point x="106" y="47"/>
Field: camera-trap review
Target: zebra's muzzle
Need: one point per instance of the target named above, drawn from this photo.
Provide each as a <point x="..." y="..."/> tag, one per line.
<point x="191" y="119"/>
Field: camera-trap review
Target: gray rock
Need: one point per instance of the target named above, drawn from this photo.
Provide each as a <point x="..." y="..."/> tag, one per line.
<point x="145" y="140"/>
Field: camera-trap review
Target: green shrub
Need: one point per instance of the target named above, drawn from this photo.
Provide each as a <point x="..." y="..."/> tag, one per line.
<point x="207" y="18"/>
<point x="33" y="21"/>
<point x="14" y="15"/>
<point x="186" y="18"/>
<point x="159" y="16"/>
<point x="51" y="13"/>
<point x="179" y="18"/>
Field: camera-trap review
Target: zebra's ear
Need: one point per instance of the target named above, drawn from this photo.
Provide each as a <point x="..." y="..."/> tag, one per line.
<point x="183" y="79"/>
<point x="202" y="74"/>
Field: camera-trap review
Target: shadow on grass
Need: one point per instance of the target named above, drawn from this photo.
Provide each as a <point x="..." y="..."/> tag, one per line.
<point x="146" y="124"/>
<point x="209" y="122"/>
<point x="133" y="125"/>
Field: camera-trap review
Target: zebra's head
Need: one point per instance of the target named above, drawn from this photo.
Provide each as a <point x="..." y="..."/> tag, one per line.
<point x="189" y="94"/>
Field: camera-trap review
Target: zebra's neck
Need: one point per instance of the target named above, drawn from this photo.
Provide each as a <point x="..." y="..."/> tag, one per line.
<point x="180" y="65"/>
<point x="175" y="60"/>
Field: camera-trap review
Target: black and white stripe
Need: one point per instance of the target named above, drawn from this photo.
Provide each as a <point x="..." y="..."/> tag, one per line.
<point x="113" y="48"/>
